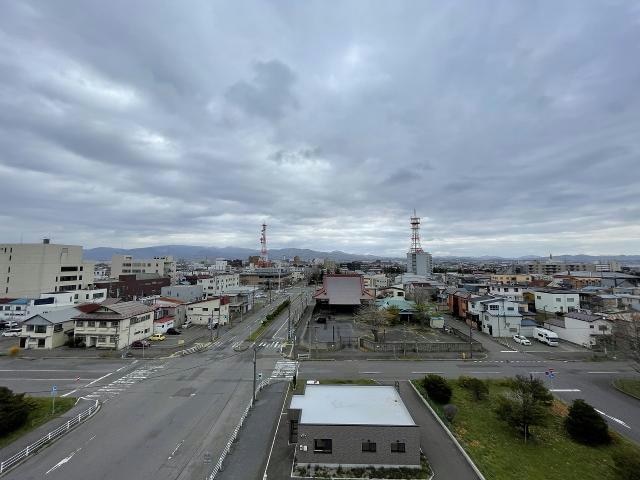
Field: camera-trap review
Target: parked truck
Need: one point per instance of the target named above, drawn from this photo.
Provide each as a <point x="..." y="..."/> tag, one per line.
<point x="546" y="336"/>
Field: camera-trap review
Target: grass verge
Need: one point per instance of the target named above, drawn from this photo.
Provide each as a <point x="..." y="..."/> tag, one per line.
<point x="630" y="386"/>
<point x="501" y="454"/>
<point x="267" y="320"/>
<point x="40" y="414"/>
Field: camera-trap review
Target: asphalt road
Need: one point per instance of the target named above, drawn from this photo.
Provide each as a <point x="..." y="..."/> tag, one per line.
<point x="160" y="418"/>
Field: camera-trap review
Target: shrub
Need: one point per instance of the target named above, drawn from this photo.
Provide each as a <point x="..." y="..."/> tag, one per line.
<point x="627" y="464"/>
<point x="14" y="410"/>
<point x="14" y="351"/>
<point x="477" y="387"/>
<point x="437" y="388"/>
<point x="585" y="425"/>
<point x="450" y="411"/>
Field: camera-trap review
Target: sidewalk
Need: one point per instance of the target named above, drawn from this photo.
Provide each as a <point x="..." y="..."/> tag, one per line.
<point x="248" y="457"/>
<point x="443" y="455"/>
<point x="42" y="430"/>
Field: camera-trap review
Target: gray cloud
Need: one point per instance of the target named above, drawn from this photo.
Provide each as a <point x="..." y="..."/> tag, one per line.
<point x="511" y="129"/>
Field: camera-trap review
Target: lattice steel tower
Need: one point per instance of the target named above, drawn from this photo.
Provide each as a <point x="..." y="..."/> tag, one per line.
<point x="264" y="257"/>
<point x="415" y="234"/>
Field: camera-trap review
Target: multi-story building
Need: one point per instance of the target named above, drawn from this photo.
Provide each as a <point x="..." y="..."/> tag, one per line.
<point x="21" y="308"/>
<point x="133" y="286"/>
<point x="218" y="284"/>
<point x="379" y="280"/>
<point x="214" y="311"/>
<point x="187" y="293"/>
<point x="519" y="278"/>
<point x="499" y="317"/>
<point x="510" y="291"/>
<point x="550" y="300"/>
<point x="115" y="326"/>
<point x="126" y="264"/>
<point x="419" y="263"/>
<point x="29" y="269"/>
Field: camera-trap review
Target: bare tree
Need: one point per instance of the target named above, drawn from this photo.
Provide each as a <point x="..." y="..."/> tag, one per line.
<point x="626" y="332"/>
<point x="372" y="316"/>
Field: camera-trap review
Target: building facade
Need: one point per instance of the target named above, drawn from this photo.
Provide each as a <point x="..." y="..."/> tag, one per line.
<point x="48" y="330"/>
<point x="27" y="270"/>
<point x="548" y="300"/>
<point x="133" y="286"/>
<point x="115" y="326"/>
<point x="214" y="310"/>
<point x="419" y="263"/>
<point x="218" y="284"/>
<point x="186" y="293"/>
<point x="126" y="264"/>
<point x="580" y="328"/>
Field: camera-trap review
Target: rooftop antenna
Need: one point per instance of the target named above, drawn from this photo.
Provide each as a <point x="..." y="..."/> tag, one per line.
<point x="264" y="257"/>
<point x="415" y="234"/>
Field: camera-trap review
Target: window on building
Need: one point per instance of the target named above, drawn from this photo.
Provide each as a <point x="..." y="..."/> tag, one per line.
<point x="515" y="290"/>
<point x="322" y="445"/>
<point x="41" y="329"/>
<point x="29" y="328"/>
<point x="398" y="447"/>
<point x="590" y="326"/>
<point x="114" y="324"/>
<point x="41" y="342"/>
<point x="79" y="323"/>
<point x="538" y="297"/>
<point x="205" y="309"/>
<point x="494" y="307"/>
<point x="91" y="323"/>
<point x="102" y="339"/>
<point x="570" y="300"/>
<point x="103" y="324"/>
<point x="510" y="309"/>
<point x="368" y="446"/>
<point x="558" y="299"/>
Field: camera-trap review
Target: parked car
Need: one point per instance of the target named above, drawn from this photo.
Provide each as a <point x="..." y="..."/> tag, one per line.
<point x="12" y="332"/>
<point x="522" y="340"/>
<point x="140" y="344"/>
<point x="173" y="331"/>
<point x="157" y="337"/>
<point x="8" y="324"/>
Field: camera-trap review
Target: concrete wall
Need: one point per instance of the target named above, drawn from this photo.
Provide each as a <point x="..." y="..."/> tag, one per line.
<point x="347" y="445"/>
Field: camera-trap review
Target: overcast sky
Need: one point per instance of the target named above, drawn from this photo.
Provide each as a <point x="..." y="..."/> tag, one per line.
<point x="512" y="127"/>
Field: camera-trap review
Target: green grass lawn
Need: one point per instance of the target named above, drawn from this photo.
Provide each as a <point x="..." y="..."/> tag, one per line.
<point x="41" y="413"/>
<point x="629" y="385"/>
<point x="501" y="454"/>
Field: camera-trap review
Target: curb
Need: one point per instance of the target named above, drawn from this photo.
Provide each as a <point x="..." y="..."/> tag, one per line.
<point x="451" y="436"/>
<point x="613" y="384"/>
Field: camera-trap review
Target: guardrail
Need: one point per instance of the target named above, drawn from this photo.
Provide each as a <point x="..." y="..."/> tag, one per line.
<point x="11" y="462"/>
<point x="218" y="466"/>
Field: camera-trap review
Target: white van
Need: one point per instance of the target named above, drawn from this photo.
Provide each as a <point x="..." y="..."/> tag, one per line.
<point x="12" y="332"/>
<point x="546" y="336"/>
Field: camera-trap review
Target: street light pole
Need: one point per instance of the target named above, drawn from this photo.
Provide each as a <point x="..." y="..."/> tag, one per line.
<point x="289" y="319"/>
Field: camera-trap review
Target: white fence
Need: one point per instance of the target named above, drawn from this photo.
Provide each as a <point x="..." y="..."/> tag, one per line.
<point x="218" y="466"/>
<point x="58" y="432"/>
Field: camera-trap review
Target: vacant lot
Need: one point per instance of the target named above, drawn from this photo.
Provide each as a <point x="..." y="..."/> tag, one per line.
<point x="501" y="454"/>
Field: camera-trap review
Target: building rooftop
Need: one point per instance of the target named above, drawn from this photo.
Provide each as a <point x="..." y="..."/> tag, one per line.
<point x="351" y="405"/>
<point x="54" y="317"/>
<point x="585" y="317"/>
<point x="343" y="290"/>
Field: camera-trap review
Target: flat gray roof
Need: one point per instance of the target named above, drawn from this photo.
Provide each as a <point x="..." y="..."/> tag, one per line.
<point x="351" y="405"/>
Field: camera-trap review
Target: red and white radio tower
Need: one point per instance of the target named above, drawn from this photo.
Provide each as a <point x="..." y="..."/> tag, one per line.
<point x="415" y="234"/>
<point x="264" y="257"/>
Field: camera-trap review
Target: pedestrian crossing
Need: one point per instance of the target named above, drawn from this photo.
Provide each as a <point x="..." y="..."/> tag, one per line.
<point x="271" y="345"/>
<point x="115" y="388"/>
<point x="284" y="369"/>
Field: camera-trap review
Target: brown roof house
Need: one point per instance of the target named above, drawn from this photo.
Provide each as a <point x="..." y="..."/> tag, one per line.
<point x="343" y="291"/>
<point x="115" y="326"/>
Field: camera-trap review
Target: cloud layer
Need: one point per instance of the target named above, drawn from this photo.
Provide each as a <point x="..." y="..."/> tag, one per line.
<point x="512" y="127"/>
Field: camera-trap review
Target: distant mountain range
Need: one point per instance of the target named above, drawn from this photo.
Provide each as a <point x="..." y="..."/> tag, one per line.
<point x="189" y="252"/>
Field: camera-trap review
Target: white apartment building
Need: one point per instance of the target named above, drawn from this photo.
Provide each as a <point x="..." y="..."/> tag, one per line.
<point x="220" y="265"/>
<point x="580" y="328"/>
<point x="556" y="301"/>
<point x="115" y="326"/>
<point x="218" y="284"/>
<point x="29" y="269"/>
<point x="126" y="264"/>
<point x="212" y="310"/>
<point x="500" y="317"/>
<point x="512" y="292"/>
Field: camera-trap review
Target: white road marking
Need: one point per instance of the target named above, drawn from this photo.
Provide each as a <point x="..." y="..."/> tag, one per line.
<point x="564" y="390"/>
<point x="509" y="351"/>
<point x="175" y="449"/>
<point x="486" y="372"/>
<point x="427" y="373"/>
<point x="610" y="373"/>
<point x="617" y="420"/>
<point x="43" y="379"/>
<point x="98" y="379"/>
<point x="370" y="372"/>
<point x="62" y="462"/>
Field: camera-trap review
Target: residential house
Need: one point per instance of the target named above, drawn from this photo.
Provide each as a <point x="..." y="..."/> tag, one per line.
<point x="550" y="300"/>
<point x="48" y="330"/>
<point x="458" y="302"/>
<point x="501" y="318"/>
<point x="115" y="326"/>
<point x="580" y="328"/>
<point x="513" y="291"/>
<point x="353" y="426"/>
<point x="630" y="301"/>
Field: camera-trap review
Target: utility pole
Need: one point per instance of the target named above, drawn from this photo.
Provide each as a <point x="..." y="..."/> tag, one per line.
<point x="470" y="341"/>
<point x="211" y="329"/>
<point x="255" y="350"/>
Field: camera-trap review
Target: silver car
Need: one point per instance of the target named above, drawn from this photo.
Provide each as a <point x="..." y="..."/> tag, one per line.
<point x="522" y="340"/>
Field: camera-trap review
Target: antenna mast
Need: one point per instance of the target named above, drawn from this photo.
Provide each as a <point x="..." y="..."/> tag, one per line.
<point x="415" y="234"/>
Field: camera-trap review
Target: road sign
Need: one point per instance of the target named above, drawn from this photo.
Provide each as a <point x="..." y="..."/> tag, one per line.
<point x="207" y="457"/>
<point x="54" y="389"/>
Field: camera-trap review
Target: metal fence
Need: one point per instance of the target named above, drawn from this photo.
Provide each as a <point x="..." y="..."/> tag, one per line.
<point x="11" y="462"/>
<point x="418" y="347"/>
<point x="234" y="436"/>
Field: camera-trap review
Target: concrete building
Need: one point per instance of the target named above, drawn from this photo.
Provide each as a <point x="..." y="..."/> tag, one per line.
<point x="377" y="281"/>
<point x="500" y="317"/>
<point x="511" y="291"/>
<point x="551" y="300"/>
<point x="126" y="265"/>
<point x="21" y="308"/>
<point x="580" y="328"/>
<point x="48" y="330"/>
<point x="115" y="326"/>
<point x="29" y="269"/>
<point x="419" y="263"/>
<point x="511" y="278"/>
<point x="353" y="426"/>
<point x="133" y="286"/>
<point x="214" y="310"/>
<point x="218" y="284"/>
<point x="187" y="293"/>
